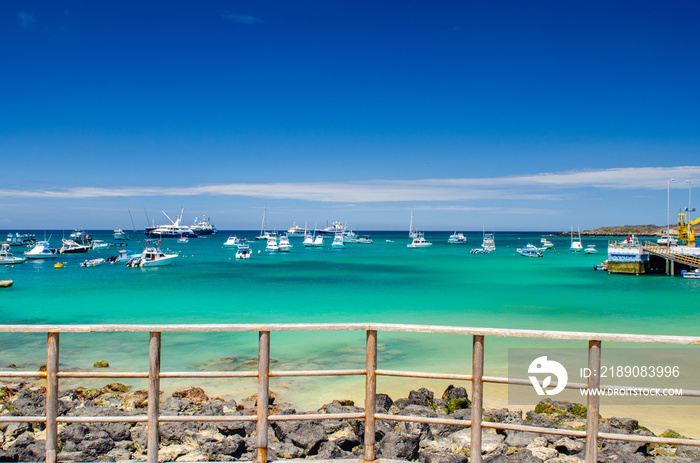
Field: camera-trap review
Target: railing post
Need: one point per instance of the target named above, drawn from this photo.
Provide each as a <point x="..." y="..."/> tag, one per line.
<point x="263" y="394"/>
<point x="477" y="398"/>
<point x="370" y="396"/>
<point x="593" y="405"/>
<point x="52" y="397"/>
<point x="153" y="396"/>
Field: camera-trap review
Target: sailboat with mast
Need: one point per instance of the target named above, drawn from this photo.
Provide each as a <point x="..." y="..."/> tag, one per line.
<point x="576" y="245"/>
<point x="411" y="232"/>
<point x="264" y="234"/>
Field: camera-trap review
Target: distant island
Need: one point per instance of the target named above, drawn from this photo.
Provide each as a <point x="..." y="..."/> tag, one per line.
<point x="626" y="230"/>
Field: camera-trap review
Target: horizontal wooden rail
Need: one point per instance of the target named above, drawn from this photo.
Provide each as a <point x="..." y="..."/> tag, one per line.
<point x="370" y="372"/>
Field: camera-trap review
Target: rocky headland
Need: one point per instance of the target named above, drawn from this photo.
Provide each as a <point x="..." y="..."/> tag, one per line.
<point x="329" y="439"/>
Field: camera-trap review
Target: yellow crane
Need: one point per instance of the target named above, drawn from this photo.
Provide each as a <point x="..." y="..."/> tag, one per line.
<point x="685" y="232"/>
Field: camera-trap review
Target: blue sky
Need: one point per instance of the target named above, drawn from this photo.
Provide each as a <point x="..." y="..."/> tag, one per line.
<point x="508" y="115"/>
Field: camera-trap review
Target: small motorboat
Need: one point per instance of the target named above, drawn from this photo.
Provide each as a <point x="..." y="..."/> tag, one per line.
<point x="120" y="235"/>
<point x="92" y="262"/>
<point x="98" y="244"/>
<point x="71" y="247"/>
<point x="123" y="256"/>
<point x="529" y="251"/>
<point x="6" y="257"/>
<point x="590" y="249"/>
<point x="546" y="244"/>
<point x="183" y="240"/>
<point x="6" y="283"/>
<point x="602" y="266"/>
<point x="232" y="242"/>
<point x="692" y="274"/>
<point x="479" y="251"/>
<point x="152" y="257"/>
<point x="243" y="252"/>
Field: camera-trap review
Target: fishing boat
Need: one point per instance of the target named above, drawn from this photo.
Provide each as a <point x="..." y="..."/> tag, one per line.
<point x="272" y="245"/>
<point x="419" y="242"/>
<point x="284" y="245"/>
<point x="364" y="239"/>
<point x="183" y="240"/>
<point x="203" y="227"/>
<point x="318" y="240"/>
<point x="529" y="251"/>
<point x="457" y="238"/>
<point x="122" y="256"/>
<point x="243" y="252"/>
<point x="232" y="241"/>
<point x="120" y="235"/>
<point x="71" y="247"/>
<point x="576" y="245"/>
<point x="349" y="237"/>
<point x="488" y="242"/>
<point x="546" y="244"/>
<point x="6" y="257"/>
<point x="173" y="230"/>
<point x="152" y="256"/>
<point x="92" y="262"/>
<point x="338" y="241"/>
<point x="41" y="250"/>
<point x="590" y="249"/>
<point x="693" y="274"/>
<point x="308" y="240"/>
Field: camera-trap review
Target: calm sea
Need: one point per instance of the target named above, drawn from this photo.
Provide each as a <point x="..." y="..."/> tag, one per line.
<point x="380" y="282"/>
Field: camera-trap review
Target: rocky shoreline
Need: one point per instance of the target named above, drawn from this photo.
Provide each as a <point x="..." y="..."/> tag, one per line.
<point x="328" y="439"/>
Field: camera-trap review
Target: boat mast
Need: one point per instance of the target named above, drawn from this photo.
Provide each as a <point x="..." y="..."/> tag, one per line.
<point x="262" y="226"/>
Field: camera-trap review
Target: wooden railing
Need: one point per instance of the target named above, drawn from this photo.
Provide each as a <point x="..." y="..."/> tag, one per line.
<point x="671" y="254"/>
<point x="371" y="371"/>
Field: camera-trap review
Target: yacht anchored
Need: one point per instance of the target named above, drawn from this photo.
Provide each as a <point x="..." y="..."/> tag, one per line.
<point x="272" y="245"/>
<point x="529" y="251"/>
<point x="71" y="247"/>
<point x="546" y="244"/>
<point x="120" y="235"/>
<point x="457" y="238"/>
<point x="576" y="245"/>
<point x="174" y="230"/>
<point x="232" y="241"/>
<point x="6" y="257"/>
<point x="334" y="229"/>
<point x="152" y="257"/>
<point x="203" y="227"/>
<point x="338" y="241"/>
<point x="284" y="245"/>
<point x="295" y="230"/>
<point x="488" y="242"/>
<point x="243" y="252"/>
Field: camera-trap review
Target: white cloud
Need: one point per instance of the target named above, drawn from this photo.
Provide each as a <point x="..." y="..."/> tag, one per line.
<point x="539" y="187"/>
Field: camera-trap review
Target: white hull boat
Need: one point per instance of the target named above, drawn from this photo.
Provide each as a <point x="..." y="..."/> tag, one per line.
<point x="419" y="242"/>
<point x="41" y="251"/>
<point x="152" y="257"/>
<point x="6" y="257"/>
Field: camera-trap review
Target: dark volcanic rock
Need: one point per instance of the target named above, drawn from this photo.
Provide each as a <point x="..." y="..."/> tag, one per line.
<point x="422" y="397"/>
<point x="399" y="446"/>
<point x="304" y="434"/>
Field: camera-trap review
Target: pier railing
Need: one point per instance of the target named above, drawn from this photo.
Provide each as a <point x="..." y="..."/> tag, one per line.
<point x="371" y="371"/>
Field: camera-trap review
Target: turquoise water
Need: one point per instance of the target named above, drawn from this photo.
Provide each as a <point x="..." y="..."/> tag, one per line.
<point x="380" y="282"/>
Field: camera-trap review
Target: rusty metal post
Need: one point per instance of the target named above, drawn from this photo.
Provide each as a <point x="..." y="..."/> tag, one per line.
<point x="263" y="394"/>
<point x="52" y="397"/>
<point x="370" y="396"/>
<point x="477" y="398"/>
<point x="153" y="396"/>
<point x="593" y="405"/>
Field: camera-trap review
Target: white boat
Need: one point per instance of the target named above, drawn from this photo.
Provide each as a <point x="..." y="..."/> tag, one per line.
<point x="264" y="235"/>
<point x="529" y="251"/>
<point x="419" y="242"/>
<point x="602" y="266"/>
<point x="338" y="241"/>
<point x="203" y="227"/>
<point x="232" y="241"/>
<point x="364" y="239"/>
<point x="152" y="256"/>
<point x="96" y="245"/>
<point x="183" y="240"/>
<point x="318" y="241"/>
<point x="120" y="235"/>
<point x="546" y="244"/>
<point x="81" y="237"/>
<point x="174" y="230"/>
<point x="16" y="239"/>
<point x="41" y="250"/>
<point x="71" y="247"/>
<point x="284" y="245"/>
<point x="334" y="229"/>
<point x="272" y="245"/>
<point x="6" y="257"/>
<point x="479" y="251"/>
<point x="243" y="252"/>
<point x="308" y="240"/>
<point x="92" y="262"/>
<point x="590" y="249"/>
<point x="692" y="274"/>
<point x="488" y="242"/>
<point x="457" y="238"/>
<point x="122" y="256"/>
<point x="349" y="237"/>
<point x="576" y="245"/>
<point x="294" y="230"/>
